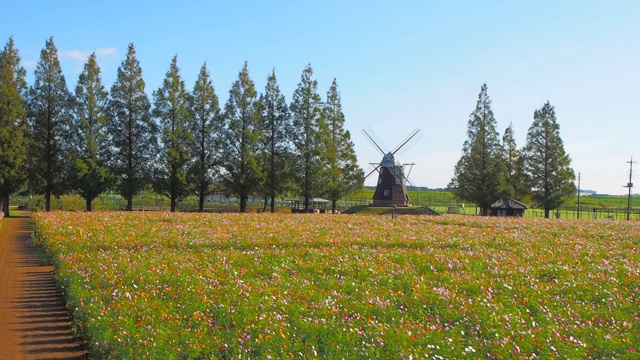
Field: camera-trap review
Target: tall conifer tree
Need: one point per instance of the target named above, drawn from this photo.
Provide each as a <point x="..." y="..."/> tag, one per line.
<point x="49" y="112"/>
<point x="479" y="174"/>
<point x="517" y="184"/>
<point x="132" y="132"/>
<point x="306" y="111"/>
<point x="343" y="173"/>
<point x="13" y="127"/>
<point x="171" y="109"/>
<point x="546" y="163"/>
<point x="275" y="124"/>
<point x="90" y="146"/>
<point x="205" y="123"/>
<point x="240" y="139"/>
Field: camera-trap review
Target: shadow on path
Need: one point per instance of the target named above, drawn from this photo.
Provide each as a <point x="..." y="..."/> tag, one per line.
<point x="34" y="321"/>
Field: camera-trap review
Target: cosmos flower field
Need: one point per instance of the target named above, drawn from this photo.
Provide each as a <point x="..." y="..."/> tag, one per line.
<point x="200" y="286"/>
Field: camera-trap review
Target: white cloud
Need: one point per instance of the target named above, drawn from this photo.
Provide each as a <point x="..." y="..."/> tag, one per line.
<point x="82" y="55"/>
<point x="77" y="58"/>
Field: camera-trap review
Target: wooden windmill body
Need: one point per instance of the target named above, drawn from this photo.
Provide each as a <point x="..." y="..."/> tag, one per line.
<point x="391" y="189"/>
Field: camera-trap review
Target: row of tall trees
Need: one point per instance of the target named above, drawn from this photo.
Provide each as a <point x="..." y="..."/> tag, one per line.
<point x="490" y="169"/>
<point x="53" y="141"/>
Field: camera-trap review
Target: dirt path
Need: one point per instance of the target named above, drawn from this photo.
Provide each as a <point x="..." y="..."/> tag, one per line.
<point x="34" y="323"/>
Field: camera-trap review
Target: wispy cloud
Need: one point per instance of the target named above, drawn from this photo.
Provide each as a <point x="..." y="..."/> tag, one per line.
<point x="82" y="55"/>
<point x="77" y="58"/>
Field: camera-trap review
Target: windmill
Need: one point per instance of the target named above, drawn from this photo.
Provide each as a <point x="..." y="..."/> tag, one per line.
<point x="391" y="189"/>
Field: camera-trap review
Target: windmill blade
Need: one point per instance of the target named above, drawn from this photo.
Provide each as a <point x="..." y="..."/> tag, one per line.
<point x="409" y="173"/>
<point x="406" y="140"/>
<point x="366" y="134"/>
<point x="410" y="182"/>
<point x="401" y="175"/>
<point x="397" y="173"/>
<point x="372" y="171"/>
<point x="410" y="168"/>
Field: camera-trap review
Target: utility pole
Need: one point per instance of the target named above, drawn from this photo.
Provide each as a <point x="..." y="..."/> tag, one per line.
<point x="630" y="185"/>
<point x="578" y="195"/>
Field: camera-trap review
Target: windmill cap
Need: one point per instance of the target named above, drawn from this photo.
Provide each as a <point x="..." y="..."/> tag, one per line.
<point x="388" y="160"/>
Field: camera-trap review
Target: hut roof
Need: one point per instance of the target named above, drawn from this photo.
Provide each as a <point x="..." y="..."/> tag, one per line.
<point x="508" y="204"/>
<point x="312" y="200"/>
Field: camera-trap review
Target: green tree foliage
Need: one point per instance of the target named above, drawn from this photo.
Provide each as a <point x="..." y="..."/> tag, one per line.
<point x="89" y="145"/>
<point x="275" y="126"/>
<point x="205" y="124"/>
<point x="307" y="138"/>
<point x="546" y="163"/>
<point x="49" y="112"/>
<point x="131" y="129"/>
<point x="171" y="109"/>
<point x="13" y="127"/>
<point x="479" y="174"/>
<point x="239" y="150"/>
<point x="517" y="183"/>
<point x="343" y="174"/>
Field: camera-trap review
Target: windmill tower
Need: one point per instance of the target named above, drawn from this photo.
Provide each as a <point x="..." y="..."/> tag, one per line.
<point x="391" y="189"/>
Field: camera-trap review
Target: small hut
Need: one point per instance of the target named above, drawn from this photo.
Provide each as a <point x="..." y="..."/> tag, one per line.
<point x="508" y="207"/>
<point x="316" y="205"/>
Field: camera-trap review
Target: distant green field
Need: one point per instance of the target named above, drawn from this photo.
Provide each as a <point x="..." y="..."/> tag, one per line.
<point x="446" y="198"/>
<point x="418" y="197"/>
<point x="606" y="206"/>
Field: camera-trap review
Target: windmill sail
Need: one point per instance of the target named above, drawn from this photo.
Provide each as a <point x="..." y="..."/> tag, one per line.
<point x="391" y="189"/>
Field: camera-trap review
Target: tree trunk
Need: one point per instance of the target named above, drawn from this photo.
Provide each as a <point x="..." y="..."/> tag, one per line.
<point x="273" y="204"/>
<point x="4" y="205"/>
<point x="201" y="203"/>
<point x="173" y="204"/>
<point x="243" y="203"/>
<point x="333" y="206"/>
<point x="47" y="200"/>
<point x="89" y="201"/>
<point x="546" y="213"/>
<point x="130" y="203"/>
<point x="484" y="211"/>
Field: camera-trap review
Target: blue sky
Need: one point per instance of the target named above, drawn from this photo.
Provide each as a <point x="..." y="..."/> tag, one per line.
<point x="400" y="65"/>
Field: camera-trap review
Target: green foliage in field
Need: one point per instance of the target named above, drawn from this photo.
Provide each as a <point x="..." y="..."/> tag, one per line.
<point x="190" y="286"/>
